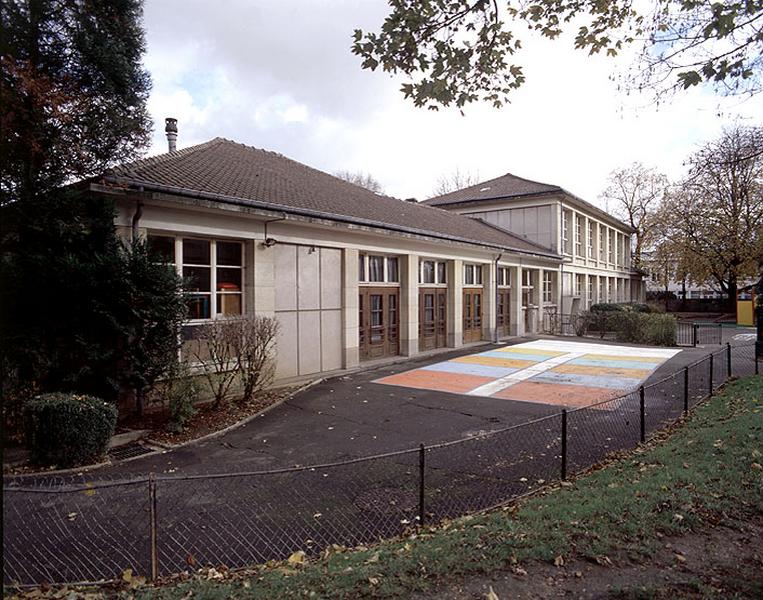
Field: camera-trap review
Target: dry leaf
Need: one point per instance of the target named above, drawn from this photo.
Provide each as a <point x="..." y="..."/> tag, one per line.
<point x="297" y="558"/>
<point x="491" y="595"/>
<point x="127" y="575"/>
<point x="559" y="561"/>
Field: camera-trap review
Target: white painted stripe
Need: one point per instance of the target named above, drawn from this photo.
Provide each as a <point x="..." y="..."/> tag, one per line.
<point x="488" y="389"/>
<point x="587" y="348"/>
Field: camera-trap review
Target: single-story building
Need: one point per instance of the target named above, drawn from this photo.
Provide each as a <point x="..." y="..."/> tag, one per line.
<point x="351" y="275"/>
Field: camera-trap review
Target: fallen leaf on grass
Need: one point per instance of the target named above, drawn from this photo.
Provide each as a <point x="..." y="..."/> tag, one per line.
<point x="491" y="595"/>
<point x="297" y="558"/>
<point x="680" y="558"/>
<point x="559" y="561"/>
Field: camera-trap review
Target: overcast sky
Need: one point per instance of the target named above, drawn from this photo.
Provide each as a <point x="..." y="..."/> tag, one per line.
<point x="279" y="75"/>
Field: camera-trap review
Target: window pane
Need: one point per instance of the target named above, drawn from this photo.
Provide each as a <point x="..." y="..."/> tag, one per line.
<point x="440" y="272"/>
<point x="362" y="267"/>
<point x="228" y="280"/>
<point x="469" y="274"/>
<point x="163" y="247"/>
<point x="198" y="307"/>
<point x="228" y="304"/>
<point x="376" y="268"/>
<point x="229" y="253"/>
<point x="392" y="269"/>
<point x="197" y="279"/>
<point x="478" y="275"/>
<point x="195" y="252"/>
<point x="428" y="271"/>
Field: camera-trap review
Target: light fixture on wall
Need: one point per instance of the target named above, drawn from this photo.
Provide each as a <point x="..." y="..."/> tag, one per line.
<point x="311" y="250"/>
<point x="269" y="242"/>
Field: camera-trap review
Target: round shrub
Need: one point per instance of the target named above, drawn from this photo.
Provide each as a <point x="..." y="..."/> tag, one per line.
<point x="67" y="429"/>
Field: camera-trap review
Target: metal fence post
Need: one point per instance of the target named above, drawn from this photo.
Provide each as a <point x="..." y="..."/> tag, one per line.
<point x="711" y="375"/>
<point x="153" y="526"/>
<point x="422" y="464"/>
<point x="728" y="360"/>
<point x="686" y="390"/>
<point x="720" y="334"/>
<point x="755" y="359"/>
<point x="643" y="413"/>
<point x="695" y="327"/>
<point x="564" y="444"/>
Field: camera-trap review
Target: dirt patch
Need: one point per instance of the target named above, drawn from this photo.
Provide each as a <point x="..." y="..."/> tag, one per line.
<point x="207" y="419"/>
<point x="725" y="561"/>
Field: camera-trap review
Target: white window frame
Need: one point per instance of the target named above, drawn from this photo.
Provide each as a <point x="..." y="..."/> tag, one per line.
<point x="504" y="277"/>
<point x="364" y="280"/>
<point x="547" y="286"/>
<point x="436" y="271"/>
<point x="578" y="234"/>
<point x="476" y="271"/>
<point x="213" y="266"/>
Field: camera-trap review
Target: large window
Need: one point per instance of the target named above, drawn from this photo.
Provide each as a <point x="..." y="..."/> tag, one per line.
<point x="565" y="231"/>
<point x="376" y="268"/>
<point x="578" y="235"/>
<point x="432" y="272"/>
<point x="602" y="242"/>
<point x="590" y="240"/>
<point x="589" y="300"/>
<point x="547" y="275"/>
<point x="212" y="272"/>
<point x="611" y="255"/>
<point x="472" y="274"/>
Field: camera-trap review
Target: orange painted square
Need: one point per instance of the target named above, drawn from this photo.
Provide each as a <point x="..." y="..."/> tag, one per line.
<point x="426" y="379"/>
<point x="559" y="394"/>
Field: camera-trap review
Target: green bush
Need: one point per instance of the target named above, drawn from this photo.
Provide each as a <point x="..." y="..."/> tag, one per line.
<point x="180" y="393"/>
<point x="623" y="307"/>
<point x="643" y="328"/>
<point x="66" y="430"/>
<point x="606" y="307"/>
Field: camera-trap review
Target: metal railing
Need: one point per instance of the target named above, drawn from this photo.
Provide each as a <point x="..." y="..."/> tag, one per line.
<point x="71" y="530"/>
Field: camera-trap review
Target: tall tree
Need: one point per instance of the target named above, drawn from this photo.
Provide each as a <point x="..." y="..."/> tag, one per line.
<point x="715" y="216"/>
<point x="634" y="193"/>
<point x="364" y="180"/>
<point x="460" y="51"/>
<point x="455" y="180"/>
<point x="80" y="312"/>
<point x="73" y="91"/>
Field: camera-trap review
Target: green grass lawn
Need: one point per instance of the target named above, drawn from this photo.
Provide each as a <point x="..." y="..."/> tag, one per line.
<point x="706" y="470"/>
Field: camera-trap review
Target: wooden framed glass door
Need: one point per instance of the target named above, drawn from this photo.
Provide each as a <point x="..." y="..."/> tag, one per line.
<point x="503" y="320"/>
<point x="379" y="322"/>
<point x="472" y="309"/>
<point x="433" y="316"/>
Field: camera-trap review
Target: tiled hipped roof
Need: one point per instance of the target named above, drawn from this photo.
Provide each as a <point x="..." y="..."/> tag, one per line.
<point x="229" y="172"/>
<point x="505" y="186"/>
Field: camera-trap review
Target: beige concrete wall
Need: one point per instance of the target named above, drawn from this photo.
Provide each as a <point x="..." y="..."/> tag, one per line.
<point x="308" y="305"/>
<point x="454" y="270"/>
<point x="350" y="317"/>
<point x="409" y="304"/>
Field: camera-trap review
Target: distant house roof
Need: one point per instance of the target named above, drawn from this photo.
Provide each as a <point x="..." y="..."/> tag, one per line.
<point x="510" y="186"/>
<point x="505" y="186"/>
<point x="228" y="172"/>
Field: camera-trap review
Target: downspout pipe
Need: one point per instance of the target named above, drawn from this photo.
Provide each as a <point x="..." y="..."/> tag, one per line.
<point x="136" y="218"/>
<point x="495" y="302"/>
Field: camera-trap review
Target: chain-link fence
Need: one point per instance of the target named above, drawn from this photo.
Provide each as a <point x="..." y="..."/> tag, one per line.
<point x="66" y="530"/>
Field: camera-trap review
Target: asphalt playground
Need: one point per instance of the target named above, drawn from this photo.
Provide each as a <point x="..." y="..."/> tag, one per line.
<point x="399" y="406"/>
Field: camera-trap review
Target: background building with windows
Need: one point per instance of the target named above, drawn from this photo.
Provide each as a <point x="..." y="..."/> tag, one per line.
<point x="595" y="246"/>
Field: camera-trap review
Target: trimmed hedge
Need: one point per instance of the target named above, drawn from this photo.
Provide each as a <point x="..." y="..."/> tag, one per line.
<point x="66" y="430"/>
<point x="653" y="329"/>
<point x="623" y="307"/>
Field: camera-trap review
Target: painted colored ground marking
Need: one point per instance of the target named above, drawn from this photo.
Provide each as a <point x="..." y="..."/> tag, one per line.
<point x="546" y="371"/>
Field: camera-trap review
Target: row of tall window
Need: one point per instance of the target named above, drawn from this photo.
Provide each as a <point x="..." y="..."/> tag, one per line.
<point x="613" y="246"/>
